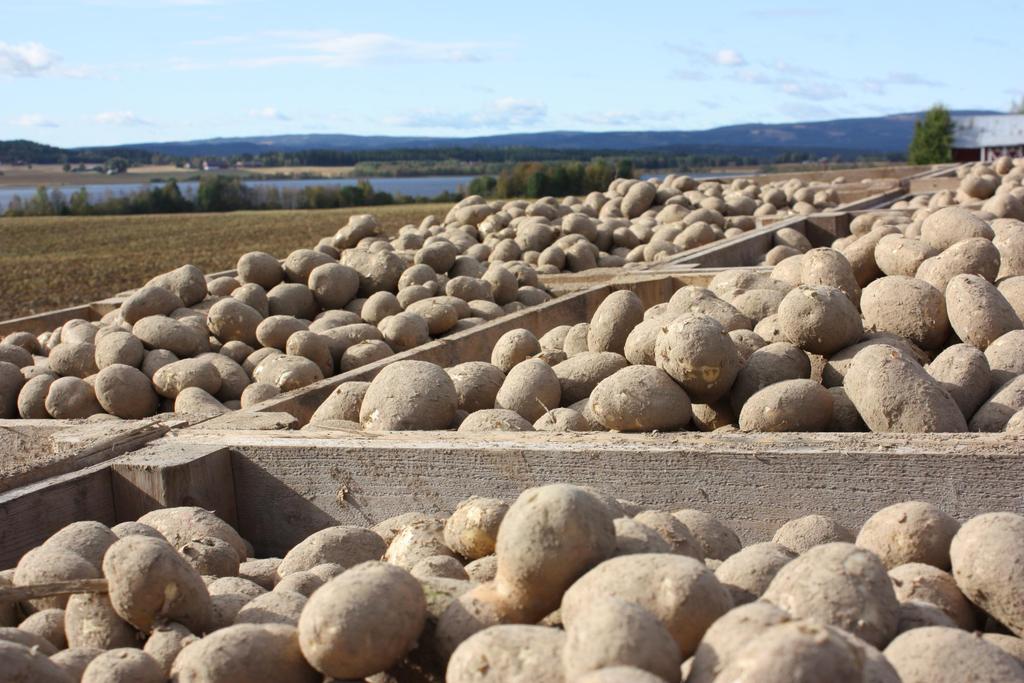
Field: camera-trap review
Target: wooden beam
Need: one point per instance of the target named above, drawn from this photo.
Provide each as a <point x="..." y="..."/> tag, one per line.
<point x="296" y="483"/>
<point x="171" y="474"/>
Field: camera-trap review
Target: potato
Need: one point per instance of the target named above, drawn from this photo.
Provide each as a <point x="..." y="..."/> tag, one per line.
<point x="88" y="539"/>
<point x="364" y="353"/>
<point x="476" y="384"/>
<point x="907" y="307"/>
<point x="154" y="360"/>
<point x="562" y="420"/>
<point x="646" y="580"/>
<point x="920" y="582"/>
<point x="795" y="405"/>
<point x="509" y="653"/>
<point x="304" y="583"/>
<point x="342" y="404"/>
<point x="135" y="529"/>
<point x="976" y="256"/>
<point x="232" y="320"/>
<point x="964" y="372"/>
<point x="947" y="226"/>
<point x="613" y="320"/>
<point x="49" y="564"/>
<point x="148" y="301"/>
<point x="125" y="392"/>
<point x="768" y="365"/>
<point x="166" y="642"/>
<point x="363" y="621"/>
<point x="729" y="635"/>
<point x="73" y="359"/>
<point x="829" y="268"/>
<point x="119" y="347"/>
<point x="717" y="541"/>
<point x="1005" y="357"/>
<point x="939" y="655"/>
<point x="1009" y="644"/>
<point x="333" y="285"/>
<point x="200" y="373"/>
<point x="632" y="537"/>
<point x="841" y="585"/>
<point x="640" y="398"/>
<point x="672" y="531"/>
<point x="11" y="386"/>
<point x="894" y="394"/>
<point x="409" y="395"/>
<point x="978" y="313"/>
<point x="245" y="652"/>
<point x="575" y="341"/>
<point x="22" y="664"/>
<point x="415" y="541"/>
<point x="1015" y="425"/>
<point x="900" y="255"/>
<point x="197" y="404"/>
<point x="439" y="567"/>
<point x="91" y="622"/>
<point x="277" y="607"/>
<point x="123" y="664"/>
<point x="28" y="639"/>
<point x="472" y="530"/>
<point x="211" y="557"/>
<point x="697" y="300"/>
<point x="612" y="632"/>
<point x="995" y="413"/>
<point x="757" y="304"/>
<point x="747" y="573"/>
<point x="495" y="419"/>
<point x="803" y="650"/>
<point x="803" y="533"/>
<point x="188" y="282"/>
<point x="916" y="614"/>
<point x="404" y="331"/>
<point x="819" y="319"/>
<point x="440" y="313"/>
<point x="179" y="525"/>
<point x="577" y="533"/>
<point x="343" y="545"/>
<point x="512" y="348"/>
<point x="983" y="554"/>
<point x="530" y="389"/>
<point x="697" y="353"/>
<point x="581" y="373"/>
<point x="47" y="624"/>
<point x="912" y="531"/>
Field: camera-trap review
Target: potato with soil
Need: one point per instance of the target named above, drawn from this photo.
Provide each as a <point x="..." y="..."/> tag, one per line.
<point x="794" y="405"/>
<point x="343" y="403"/>
<point x="950" y="225"/>
<point x="935" y="654"/>
<point x="123" y="664"/>
<point x="994" y="415"/>
<point x="509" y="653"/>
<point x="899" y="255"/>
<point x="978" y="313"/>
<point x="363" y="621"/>
<point x="346" y="546"/>
<point x="472" y="530"/>
<point x="729" y="635"/>
<point x="581" y="373"/>
<point x="829" y="268"/>
<point x="612" y="632"/>
<point x="245" y="652"/>
<point x="819" y="319"/>
<point x="717" y="541"/>
<point x="640" y="398"/>
<point x="409" y="395"/>
<point x="841" y="585"/>
<point x="22" y="664"/>
<point x="975" y="256"/>
<point x="907" y="307"/>
<point x="768" y="365"/>
<point x="125" y="392"/>
<point x="548" y="538"/>
<point x="174" y="377"/>
<point x="696" y="352"/>
<point x="984" y="555"/>
<point x="231" y="320"/>
<point x="613" y="320"/>
<point x="531" y="388"/>
<point x="680" y="592"/>
<point x="149" y="582"/>
<point x="47" y="624"/>
<point x="918" y="582"/>
<point x="513" y="348"/>
<point x="964" y="372"/>
<point x="912" y="531"/>
<point x="747" y="574"/>
<point x="894" y="394"/>
<point x="476" y="384"/>
<point x="73" y="359"/>
<point x="803" y="533"/>
<point x="179" y="525"/>
<point x="90" y="621"/>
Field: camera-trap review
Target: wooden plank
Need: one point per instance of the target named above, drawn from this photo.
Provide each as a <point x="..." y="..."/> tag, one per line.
<point x="923" y="185"/>
<point x="299" y="482"/>
<point x="30" y="514"/>
<point x="98" y="444"/>
<point x="171" y="474"/>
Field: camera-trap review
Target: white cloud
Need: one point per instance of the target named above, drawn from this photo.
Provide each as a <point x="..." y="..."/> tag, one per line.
<point x="814" y="90"/>
<point x="120" y="118"/>
<point x="26" y="60"/>
<point x="503" y="113"/>
<point x="34" y="121"/>
<point x="270" y="114"/>
<point x="729" y="57"/>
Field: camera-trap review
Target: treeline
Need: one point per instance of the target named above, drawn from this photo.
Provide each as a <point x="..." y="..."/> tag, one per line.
<point x="215" y="194"/>
<point x="540" y="180"/>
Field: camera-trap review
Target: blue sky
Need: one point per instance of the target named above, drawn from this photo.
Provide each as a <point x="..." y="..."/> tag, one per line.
<point x="120" y="71"/>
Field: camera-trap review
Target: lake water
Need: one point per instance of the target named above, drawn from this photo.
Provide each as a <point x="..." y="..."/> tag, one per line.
<point x="424" y="186"/>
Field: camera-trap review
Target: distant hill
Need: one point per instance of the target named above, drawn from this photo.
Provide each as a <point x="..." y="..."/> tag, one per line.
<point x="882" y="134"/>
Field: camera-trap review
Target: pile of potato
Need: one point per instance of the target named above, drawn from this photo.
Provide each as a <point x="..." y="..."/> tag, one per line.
<point x="203" y="346"/>
<point x="996" y="189"/>
<point x="900" y="329"/>
<point x="633" y="222"/>
<point x="565" y="584"/>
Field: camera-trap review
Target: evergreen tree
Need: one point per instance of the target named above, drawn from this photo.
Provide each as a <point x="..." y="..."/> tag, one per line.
<point x="933" y="138"/>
